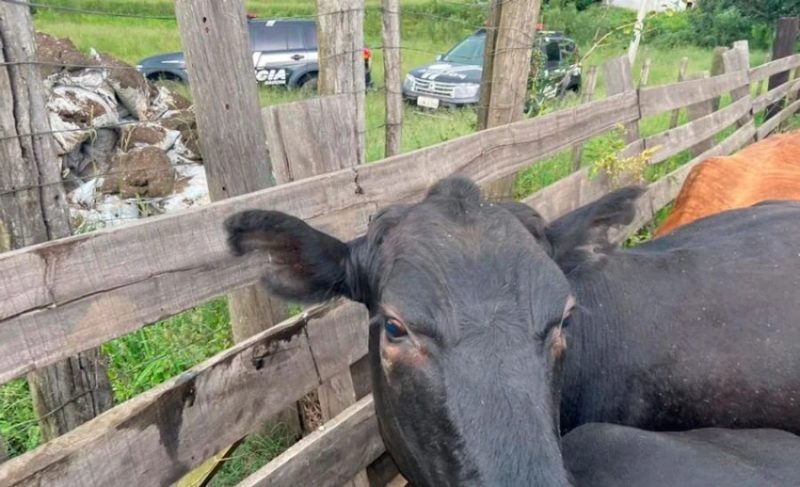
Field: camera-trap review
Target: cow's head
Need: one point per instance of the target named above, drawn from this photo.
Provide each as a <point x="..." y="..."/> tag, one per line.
<point x="467" y="300"/>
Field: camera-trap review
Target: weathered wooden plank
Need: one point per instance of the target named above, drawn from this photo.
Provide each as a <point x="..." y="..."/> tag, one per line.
<point x="681" y="138"/>
<point x="158" y="436"/>
<point x="644" y="74"/>
<point x="682" y="70"/>
<point x="700" y="110"/>
<point x="311" y="137"/>
<point x="774" y="67"/>
<point x="393" y="79"/>
<point x="786" y="33"/>
<point x="586" y="96"/>
<point x="308" y="138"/>
<point x="770" y="125"/>
<point x="660" y="99"/>
<point x="327" y="457"/>
<point x="338" y="392"/>
<point x="620" y="81"/>
<point x="102" y="285"/>
<point x="215" y="38"/>
<point x="67" y="393"/>
<point x="504" y="85"/>
<point x="717" y="68"/>
<point x="774" y="95"/>
<point x="340" y="30"/>
<point x="737" y="60"/>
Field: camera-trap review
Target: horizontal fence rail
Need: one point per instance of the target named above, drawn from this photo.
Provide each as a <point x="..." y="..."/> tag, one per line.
<point x="68" y="295"/>
<point x="160" y="435"/>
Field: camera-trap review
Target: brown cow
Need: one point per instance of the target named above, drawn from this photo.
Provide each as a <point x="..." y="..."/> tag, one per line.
<point x="766" y="170"/>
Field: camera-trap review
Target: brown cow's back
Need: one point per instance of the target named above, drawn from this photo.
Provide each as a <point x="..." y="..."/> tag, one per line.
<point x="766" y="170"/>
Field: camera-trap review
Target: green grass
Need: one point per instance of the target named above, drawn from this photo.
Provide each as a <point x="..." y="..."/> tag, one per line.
<point x="150" y="356"/>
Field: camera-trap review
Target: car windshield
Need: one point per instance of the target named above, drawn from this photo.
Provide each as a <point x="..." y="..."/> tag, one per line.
<point x="469" y="51"/>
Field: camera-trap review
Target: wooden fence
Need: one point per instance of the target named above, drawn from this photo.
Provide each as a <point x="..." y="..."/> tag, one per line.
<point x="65" y="296"/>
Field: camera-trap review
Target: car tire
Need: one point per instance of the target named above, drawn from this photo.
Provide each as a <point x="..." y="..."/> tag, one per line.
<point x="163" y="76"/>
<point x="310" y="82"/>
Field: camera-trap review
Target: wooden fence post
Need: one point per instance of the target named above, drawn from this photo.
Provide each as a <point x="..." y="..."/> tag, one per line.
<point x="619" y="80"/>
<point x="738" y="59"/>
<point x="699" y="110"/>
<point x="504" y="84"/>
<point x="75" y="390"/>
<point x="586" y="97"/>
<point x="490" y="44"/>
<point x="644" y="75"/>
<point x="340" y="34"/>
<point x="332" y="146"/>
<point x="785" y="37"/>
<point x="673" y="121"/>
<point x="762" y="82"/>
<point x="717" y="68"/>
<point x="392" y="77"/>
<point x="226" y="104"/>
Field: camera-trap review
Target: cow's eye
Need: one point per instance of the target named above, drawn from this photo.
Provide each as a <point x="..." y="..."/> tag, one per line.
<point x="566" y="321"/>
<point x="394" y="329"/>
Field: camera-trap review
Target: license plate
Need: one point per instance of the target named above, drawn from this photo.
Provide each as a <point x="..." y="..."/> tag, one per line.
<point x="428" y="102"/>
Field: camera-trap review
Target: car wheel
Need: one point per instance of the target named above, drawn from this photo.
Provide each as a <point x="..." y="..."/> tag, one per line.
<point x="309" y="83"/>
<point x="163" y="76"/>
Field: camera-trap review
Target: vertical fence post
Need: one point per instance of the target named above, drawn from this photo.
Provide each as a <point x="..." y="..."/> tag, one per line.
<point x="673" y="120"/>
<point x="762" y="82"/>
<point x="309" y="138"/>
<point x="644" y="75"/>
<point x="699" y="110"/>
<point x="226" y="104"/>
<point x="785" y="37"/>
<point x="505" y="84"/>
<point x="340" y="27"/>
<point x="392" y="77"/>
<point x="717" y="68"/>
<point x="586" y="97"/>
<point x="340" y="34"/>
<point x="619" y="80"/>
<point x="75" y="390"/>
<point x="489" y="48"/>
<point x="738" y="59"/>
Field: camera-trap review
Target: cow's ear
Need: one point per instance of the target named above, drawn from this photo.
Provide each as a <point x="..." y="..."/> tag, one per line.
<point x="304" y="264"/>
<point x="581" y="236"/>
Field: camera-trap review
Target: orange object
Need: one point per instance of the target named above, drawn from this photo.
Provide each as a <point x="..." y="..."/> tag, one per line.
<point x="766" y="170"/>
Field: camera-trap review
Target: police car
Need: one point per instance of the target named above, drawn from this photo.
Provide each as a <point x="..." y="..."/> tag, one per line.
<point x="454" y="79"/>
<point x="285" y="53"/>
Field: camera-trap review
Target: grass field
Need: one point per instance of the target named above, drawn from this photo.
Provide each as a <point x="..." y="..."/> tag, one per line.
<point x="143" y="359"/>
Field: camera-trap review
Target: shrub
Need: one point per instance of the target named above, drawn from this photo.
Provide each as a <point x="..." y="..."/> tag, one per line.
<point x="721" y="22"/>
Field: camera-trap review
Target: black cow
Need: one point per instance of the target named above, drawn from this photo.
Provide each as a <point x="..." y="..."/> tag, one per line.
<point x="469" y="302"/>
<point x="608" y="455"/>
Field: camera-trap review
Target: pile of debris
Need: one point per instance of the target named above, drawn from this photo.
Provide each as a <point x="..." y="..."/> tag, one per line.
<point x="129" y="148"/>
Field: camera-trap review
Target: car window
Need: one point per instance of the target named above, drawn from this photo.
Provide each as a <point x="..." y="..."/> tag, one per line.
<point x="469" y="51"/>
<point x="266" y="37"/>
<point x="295" y="39"/>
<point x="553" y="52"/>
<point x="310" y="32"/>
